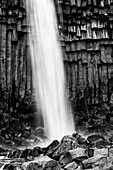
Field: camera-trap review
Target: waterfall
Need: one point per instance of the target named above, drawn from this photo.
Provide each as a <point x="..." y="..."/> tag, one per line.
<point x="48" y="69"/>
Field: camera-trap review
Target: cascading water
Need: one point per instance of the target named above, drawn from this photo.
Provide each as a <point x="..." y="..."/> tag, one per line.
<point x="48" y="70"/>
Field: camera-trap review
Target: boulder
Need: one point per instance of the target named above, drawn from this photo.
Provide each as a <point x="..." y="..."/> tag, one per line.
<point x="81" y="140"/>
<point x="78" y="154"/>
<point x="100" y="143"/>
<point x="69" y="138"/>
<point x="50" y="165"/>
<point x="101" y="152"/>
<point x="94" y="137"/>
<point x="34" y="166"/>
<point x="67" y="143"/>
<point x="38" y="164"/>
<point x="51" y="148"/>
<point x="101" y="163"/>
<point x="91" y="161"/>
<point x="65" y="159"/>
<point x="35" y="152"/>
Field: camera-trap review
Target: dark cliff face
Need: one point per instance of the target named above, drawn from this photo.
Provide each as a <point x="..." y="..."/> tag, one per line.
<point x="15" y="65"/>
<point x="86" y="35"/>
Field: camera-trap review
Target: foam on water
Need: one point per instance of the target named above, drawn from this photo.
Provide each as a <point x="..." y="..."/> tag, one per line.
<point x="48" y="69"/>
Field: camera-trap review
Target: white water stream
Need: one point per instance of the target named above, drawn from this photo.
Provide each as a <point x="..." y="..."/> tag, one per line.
<point x="48" y="69"/>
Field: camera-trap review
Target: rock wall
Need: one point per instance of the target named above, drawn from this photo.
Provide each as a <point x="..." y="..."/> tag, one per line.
<point x="86" y="33"/>
<point x="15" y="64"/>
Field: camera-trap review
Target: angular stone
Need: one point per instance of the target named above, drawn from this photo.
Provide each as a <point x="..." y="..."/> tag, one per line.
<point x="77" y="153"/>
<point x="68" y="138"/>
<point x="58" y="167"/>
<point x="94" y="161"/>
<point x="94" y="137"/>
<point x="35" y="152"/>
<point x="38" y="164"/>
<point x="65" y="159"/>
<point x="101" y="162"/>
<point x="101" y="143"/>
<point x="71" y="166"/>
<point x="101" y="152"/>
<point x="50" y="165"/>
<point x="67" y="143"/>
<point x="79" y="138"/>
<point x="34" y="166"/>
<point x="51" y="148"/>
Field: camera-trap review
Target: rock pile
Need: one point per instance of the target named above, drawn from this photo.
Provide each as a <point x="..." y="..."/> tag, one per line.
<point x="74" y="152"/>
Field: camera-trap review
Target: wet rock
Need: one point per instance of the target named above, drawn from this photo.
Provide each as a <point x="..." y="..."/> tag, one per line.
<point x="58" y="167"/>
<point x="50" y="165"/>
<point x="71" y="166"/>
<point x="78" y="155"/>
<point x="100" y="143"/>
<point x="91" y="161"/>
<point x="101" y="162"/>
<point x="88" y="166"/>
<point x="68" y="138"/>
<point x="94" y="137"/>
<point x="51" y="148"/>
<point x="38" y="164"/>
<point x="79" y="138"/>
<point x="101" y="152"/>
<point x="67" y="143"/>
<point x="65" y="159"/>
<point x="78" y="152"/>
<point x="34" y="166"/>
<point x="35" y="152"/>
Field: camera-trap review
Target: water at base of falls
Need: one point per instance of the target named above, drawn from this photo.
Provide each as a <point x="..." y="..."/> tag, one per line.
<point x="48" y="69"/>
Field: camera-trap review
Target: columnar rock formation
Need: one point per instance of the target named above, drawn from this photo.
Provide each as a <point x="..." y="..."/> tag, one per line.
<point x="86" y="33"/>
<point x="15" y="65"/>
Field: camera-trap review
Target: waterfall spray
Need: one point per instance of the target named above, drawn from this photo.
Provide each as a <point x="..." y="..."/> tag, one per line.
<point x="48" y="70"/>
